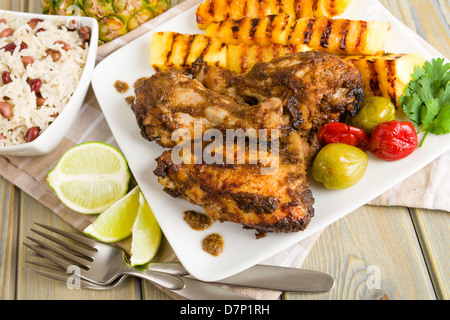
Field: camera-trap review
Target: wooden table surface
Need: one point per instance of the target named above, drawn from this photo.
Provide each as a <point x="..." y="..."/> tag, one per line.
<point x="396" y="253"/>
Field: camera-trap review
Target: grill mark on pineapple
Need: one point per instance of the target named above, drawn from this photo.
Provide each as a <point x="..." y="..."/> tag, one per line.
<point x="205" y="49"/>
<point x="326" y="34"/>
<point x="308" y="31"/>
<point x="314" y="5"/>
<point x="179" y="38"/>
<point x="211" y="8"/>
<point x="390" y="79"/>
<point x="228" y="12"/>
<point x="279" y="6"/>
<point x="289" y="34"/>
<point x="297" y="9"/>
<point x="169" y="53"/>
<point x="235" y="29"/>
<point x="374" y="84"/>
<point x="343" y="34"/>
<point x="255" y="23"/>
<point x="362" y="29"/>
<point x="285" y="25"/>
<point x="188" y="44"/>
<point x="269" y="27"/>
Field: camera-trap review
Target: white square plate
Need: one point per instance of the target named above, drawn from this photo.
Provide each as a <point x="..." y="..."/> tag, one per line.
<point x="242" y="249"/>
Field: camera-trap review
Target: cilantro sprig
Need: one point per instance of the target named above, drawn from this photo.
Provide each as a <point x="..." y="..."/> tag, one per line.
<point x="426" y="99"/>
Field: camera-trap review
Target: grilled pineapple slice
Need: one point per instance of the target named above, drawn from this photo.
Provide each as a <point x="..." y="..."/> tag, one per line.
<point x="386" y="75"/>
<point x="339" y="36"/>
<point x="242" y="57"/>
<point x="212" y="11"/>
<point x="175" y="50"/>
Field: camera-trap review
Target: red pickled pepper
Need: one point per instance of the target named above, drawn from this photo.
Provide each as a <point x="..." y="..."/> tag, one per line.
<point x="338" y="132"/>
<point x="393" y="140"/>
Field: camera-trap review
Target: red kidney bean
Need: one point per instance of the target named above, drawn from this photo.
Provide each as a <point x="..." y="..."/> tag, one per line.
<point x="27" y="60"/>
<point x="23" y="45"/>
<point x="55" y="54"/>
<point x="5" y="110"/>
<point x="35" y="84"/>
<point x="33" y="22"/>
<point x="31" y="134"/>
<point x="40" y="100"/>
<point x="6" y="77"/>
<point x="10" y="47"/>
<point x="65" y="45"/>
<point x="6" y="32"/>
<point x="40" y="30"/>
<point x="85" y="33"/>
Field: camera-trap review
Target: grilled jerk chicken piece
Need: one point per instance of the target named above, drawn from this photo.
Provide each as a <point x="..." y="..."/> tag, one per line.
<point x="326" y="87"/>
<point x="309" y="90"/>
<point x="171" y="100"/>
<point x="272" y="201"/>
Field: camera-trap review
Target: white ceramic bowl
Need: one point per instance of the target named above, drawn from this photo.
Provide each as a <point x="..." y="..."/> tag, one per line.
<point x="50" y="138"/>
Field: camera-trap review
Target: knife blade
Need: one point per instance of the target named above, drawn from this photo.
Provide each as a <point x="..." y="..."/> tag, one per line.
<point x="265" y="277"/>
<point x="282" y="279"/>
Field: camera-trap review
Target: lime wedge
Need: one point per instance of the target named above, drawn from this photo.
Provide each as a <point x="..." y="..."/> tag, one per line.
<point x="116" y="222"/>
<point x="146" y="235"/>
<point x="90" y="177"/>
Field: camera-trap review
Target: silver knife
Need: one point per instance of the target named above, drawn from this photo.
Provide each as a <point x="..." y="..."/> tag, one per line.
<point x="282" y="279"/>
<point x="264" y="277"/>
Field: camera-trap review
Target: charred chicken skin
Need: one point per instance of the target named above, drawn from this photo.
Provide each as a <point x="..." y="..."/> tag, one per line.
<point x="170" y="100"/>
<point x="326" y="87"/>
<point x="273" y="202"/>
<point x="296" y="94"/>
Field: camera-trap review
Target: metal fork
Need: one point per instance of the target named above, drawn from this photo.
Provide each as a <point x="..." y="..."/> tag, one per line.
<point x="83" y="284"/>
<point x="194" y="289"/>
<point x="99" y="263"/>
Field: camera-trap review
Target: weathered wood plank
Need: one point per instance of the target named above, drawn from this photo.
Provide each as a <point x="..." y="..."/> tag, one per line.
<point x="8" y="239"/>
<point x="428" y="18"/>
<point x="433" y="228"/>
<point x="372" y="253"/>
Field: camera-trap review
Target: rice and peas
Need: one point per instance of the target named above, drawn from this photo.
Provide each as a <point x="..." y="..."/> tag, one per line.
<point x="41" y="62"/>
